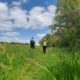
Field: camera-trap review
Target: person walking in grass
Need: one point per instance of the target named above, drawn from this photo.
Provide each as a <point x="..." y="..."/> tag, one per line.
<point x="32" y="43"/>
<point x="44" y="46"/>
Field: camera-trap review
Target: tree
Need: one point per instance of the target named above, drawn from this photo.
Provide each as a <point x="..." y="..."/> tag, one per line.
<point x="67" y="23"/>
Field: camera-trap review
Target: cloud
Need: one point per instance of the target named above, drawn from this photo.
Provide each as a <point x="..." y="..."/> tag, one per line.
<point x="3" y="11"/>
<point x="16" y="3"/>
<point x="40" y="35"/>
<point x="40" y="17"/>
<point x="20" y="1"/>
<point x="5" y="24"/>
<point x="10" y="34"/>
<point x="15" y="39"/>
<point x="15" y="17"/>
<point x="19" y="17"/>
<point x="20" y="40"/>
<point x="24" y="1"/>
<point x="3" y="6"/>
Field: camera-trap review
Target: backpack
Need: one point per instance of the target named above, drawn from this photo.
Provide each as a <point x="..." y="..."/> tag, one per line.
<point x="32" y="42"/>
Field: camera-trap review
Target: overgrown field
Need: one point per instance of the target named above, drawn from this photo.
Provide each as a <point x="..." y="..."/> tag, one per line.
<point x="19" y="62"/>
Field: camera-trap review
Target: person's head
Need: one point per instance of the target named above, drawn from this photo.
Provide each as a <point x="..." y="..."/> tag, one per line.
<point x="44" y="39"/>
<point x="32" y="38"/>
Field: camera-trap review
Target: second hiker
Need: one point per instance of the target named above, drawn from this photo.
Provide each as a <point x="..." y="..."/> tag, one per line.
<point x="44" y="46"/>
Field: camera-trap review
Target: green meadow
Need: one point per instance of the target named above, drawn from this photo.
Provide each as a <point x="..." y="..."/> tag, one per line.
<point x="19" y="62"/>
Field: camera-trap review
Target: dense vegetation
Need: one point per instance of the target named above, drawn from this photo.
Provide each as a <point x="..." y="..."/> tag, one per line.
<point x="66" y="25"/>
<point x="19" y="62"/>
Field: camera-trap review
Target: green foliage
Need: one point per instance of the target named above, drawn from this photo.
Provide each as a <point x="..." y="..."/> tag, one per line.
<point x="22" y="63"/>
<point x="67" y="23"/>
<point x="52" y="40"/>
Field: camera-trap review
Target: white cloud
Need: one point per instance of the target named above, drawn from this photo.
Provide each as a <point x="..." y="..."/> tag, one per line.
<point x="17" y="39"/>
<point x="40" y="35"/>
<point x="3" y="11"/>
<point x="19" y="2"/>
<point x="5" y="39"/>
<point x="15" y="17"/>
<point x="10" y="34"/>
<point x="16" y="3"/>
<point x="40" y="17"/>
<point x="3" y="6"/>
<point x="24" y="1"/>
<point x="13" y="39"/>
<point x="20" y="17"/>
<point x="52" y="9"/>
<point x="5" y="25"/>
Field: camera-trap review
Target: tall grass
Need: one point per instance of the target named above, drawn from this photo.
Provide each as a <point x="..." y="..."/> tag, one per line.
<point x="22" y="63"/>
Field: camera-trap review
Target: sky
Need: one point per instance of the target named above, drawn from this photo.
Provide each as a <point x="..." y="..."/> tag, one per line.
<point x="20" y="20"/>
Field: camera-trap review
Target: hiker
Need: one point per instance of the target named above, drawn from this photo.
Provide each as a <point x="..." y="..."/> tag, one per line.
<point x="32" y="43"/>
<point x="44" y="46"/>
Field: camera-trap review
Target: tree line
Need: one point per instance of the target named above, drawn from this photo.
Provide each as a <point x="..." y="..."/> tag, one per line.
<point x="65" y="29"/>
